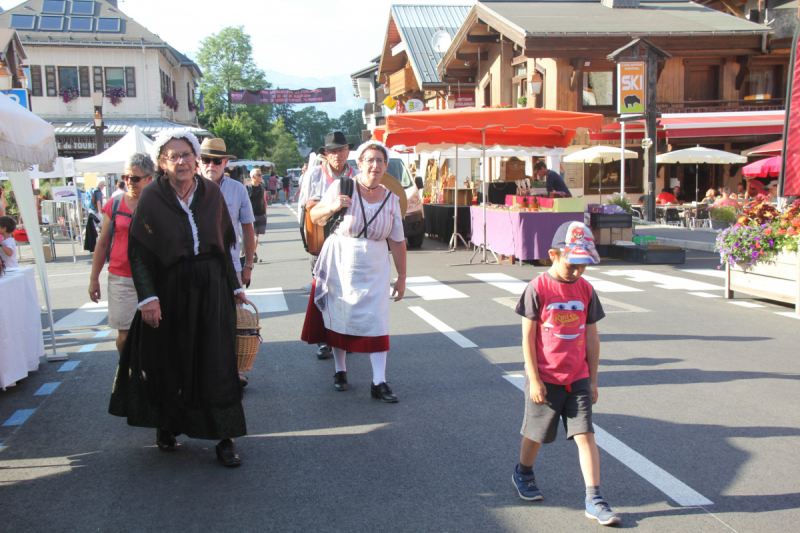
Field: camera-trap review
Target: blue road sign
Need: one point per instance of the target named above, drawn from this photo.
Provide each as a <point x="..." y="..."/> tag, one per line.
<point x="20" y="96"/>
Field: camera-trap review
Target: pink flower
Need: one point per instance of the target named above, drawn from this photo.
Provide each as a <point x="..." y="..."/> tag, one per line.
<point x="792" y="232"/>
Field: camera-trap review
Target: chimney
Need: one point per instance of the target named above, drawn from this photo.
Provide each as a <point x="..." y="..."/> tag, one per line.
<point x="621" y="3"/>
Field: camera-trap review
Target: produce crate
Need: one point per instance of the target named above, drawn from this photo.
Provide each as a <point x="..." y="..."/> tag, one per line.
<point x="562" y="205"/>
<point x="604" y="250"/>
<point x="655" y="255"/>
<point x="643" y="239"/>
<point x="618" y="220"/>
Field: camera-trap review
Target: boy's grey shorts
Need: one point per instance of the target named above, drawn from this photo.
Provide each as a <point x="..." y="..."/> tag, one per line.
<point x="574" y="408"/>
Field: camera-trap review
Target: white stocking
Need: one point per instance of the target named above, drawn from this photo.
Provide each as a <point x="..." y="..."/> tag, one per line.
<point x="338" y="359"/>
<point x="378" y="360"/>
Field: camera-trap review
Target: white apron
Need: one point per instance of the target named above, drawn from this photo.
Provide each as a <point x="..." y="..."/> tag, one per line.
<point x="352" y="289"/>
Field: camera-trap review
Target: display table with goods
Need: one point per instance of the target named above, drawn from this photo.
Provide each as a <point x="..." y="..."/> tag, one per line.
<point x="760" y="253"/>
<point x="439" y="221"/>
<point x="519" y="232"/>
<point x="20" y="326"/>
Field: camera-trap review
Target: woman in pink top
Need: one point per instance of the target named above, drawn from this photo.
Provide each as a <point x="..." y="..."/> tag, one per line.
<point x="726" y="199"/>
<point x="122" y="299"/>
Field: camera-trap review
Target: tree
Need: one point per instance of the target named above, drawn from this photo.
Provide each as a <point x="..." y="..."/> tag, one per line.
<point x="226" y="59"/>
<point x="311" y="127"/>
<point x="284" y="153"/>
<point x="351" y="123"/>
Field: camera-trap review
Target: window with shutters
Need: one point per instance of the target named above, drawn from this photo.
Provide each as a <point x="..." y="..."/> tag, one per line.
<point x="67" y="77"/>
<point x="98" y="79"/>
<point x="50" y="80"/>
<point x="130" y="82"/>
<point x="115" y="77"/>
<point x="83" y="76"/>
<point x="36" y="80"/>
<point x="174" y="90"/>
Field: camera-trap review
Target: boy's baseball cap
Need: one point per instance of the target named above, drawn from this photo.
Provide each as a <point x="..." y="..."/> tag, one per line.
<point x="576" y="242"/>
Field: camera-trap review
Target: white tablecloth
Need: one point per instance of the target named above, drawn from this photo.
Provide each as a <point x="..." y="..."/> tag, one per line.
<point x="21" y="341"/>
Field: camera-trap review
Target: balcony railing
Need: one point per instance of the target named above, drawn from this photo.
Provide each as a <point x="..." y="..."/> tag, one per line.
<point x="710" y="106"/>
<point x="401" y="82"/>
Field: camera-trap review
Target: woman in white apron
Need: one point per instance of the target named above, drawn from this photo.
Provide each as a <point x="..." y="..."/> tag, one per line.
<point x="349" y="307"/>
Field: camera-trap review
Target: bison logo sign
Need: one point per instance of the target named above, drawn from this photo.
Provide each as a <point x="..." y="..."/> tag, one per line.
<point x="630" y="87"/>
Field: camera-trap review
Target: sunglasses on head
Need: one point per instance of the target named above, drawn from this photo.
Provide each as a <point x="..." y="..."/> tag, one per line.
<point x="132" y="178"/>
<point x="208" y="160"/>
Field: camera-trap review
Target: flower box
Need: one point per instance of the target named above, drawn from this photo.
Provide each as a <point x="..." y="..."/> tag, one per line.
<point x="774" y="280"/>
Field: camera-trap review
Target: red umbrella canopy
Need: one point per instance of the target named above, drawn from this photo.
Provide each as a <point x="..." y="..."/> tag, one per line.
<point x="765" y="168"/>
<point x="508" y="127"/>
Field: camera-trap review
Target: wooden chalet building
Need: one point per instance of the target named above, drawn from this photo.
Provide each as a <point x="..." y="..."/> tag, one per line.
<point x="724" y="79"/>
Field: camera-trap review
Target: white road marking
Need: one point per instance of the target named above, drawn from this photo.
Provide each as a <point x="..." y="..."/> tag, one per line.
<point x="90" y="314"/>
<point x="746" y="304"/>
<point x="790" y="315"/>
<point x="452" y="334"/>
<point x="326" y="432"/>
<point x="626" y="307"/>
<point x="683" y="494"/>
<point x="664" y="281"/>
<point x="704" y="295"/>
<point x="428" y="288"/>
<point x="712" y="272"/>
<point x="267" y="300"/>
<point x="508" y="301"/>
<point x="602" y="285"/>
<point x="502" y="281"/>
<point x="287" y="206"/>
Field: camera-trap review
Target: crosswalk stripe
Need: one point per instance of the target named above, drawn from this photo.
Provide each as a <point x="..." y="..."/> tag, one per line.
<point x="705" y="272"/>
<point x="449" y="332"/>
<point x="47" y="388"/>
<point x="428" y="288"/>
<point x="268" y="300"/>
<point x="746" y="304"/>
<point x="704" y="295"/>
<point x="19" y="417"/>
<point x="603" y="285"/>
<point x="790" y="315"/>
<point x="502" y="281"/>
<point x="663" y="281"/>
<point x="87" y="348"/>
<point x="90" y="314"/>
<point x="68" y="366"/>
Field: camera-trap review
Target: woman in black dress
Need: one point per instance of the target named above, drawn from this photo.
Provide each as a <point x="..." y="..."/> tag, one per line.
<point x="177" y="372"/>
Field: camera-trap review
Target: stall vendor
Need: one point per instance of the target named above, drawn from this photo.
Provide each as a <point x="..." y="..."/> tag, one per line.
<point x="555" y="183"/>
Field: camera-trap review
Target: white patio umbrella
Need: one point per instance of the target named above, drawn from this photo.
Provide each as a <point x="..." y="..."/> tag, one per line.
<point x="27" y="140"/>
<point x="601" y="154"/>
<point x="113" y="160"/>
<point x="698" y="155"/>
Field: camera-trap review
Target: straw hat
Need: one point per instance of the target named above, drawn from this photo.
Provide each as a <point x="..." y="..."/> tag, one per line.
<point x="215" y="147"/>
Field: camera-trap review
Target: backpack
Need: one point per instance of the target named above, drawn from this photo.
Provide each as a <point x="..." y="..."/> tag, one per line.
<point x="88" y="196"/>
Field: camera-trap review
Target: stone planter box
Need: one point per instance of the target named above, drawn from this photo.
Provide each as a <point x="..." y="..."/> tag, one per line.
<point x="720" y="224"/>
<point x="777" y="280"/>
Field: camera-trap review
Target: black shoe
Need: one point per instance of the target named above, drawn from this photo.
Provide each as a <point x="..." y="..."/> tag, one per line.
<point x="227" y="454"/>
<point x="383" y="392"/>
<point x="340" y="381"/>
<point x="243" y="380"/>
<point x="324" y="352"/>
<point x="166" y="440"/>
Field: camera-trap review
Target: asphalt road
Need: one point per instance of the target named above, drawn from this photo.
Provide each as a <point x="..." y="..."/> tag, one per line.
<point x="698" y="416"/>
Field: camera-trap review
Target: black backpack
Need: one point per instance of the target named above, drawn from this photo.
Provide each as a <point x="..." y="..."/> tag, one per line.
<point x="114" y="213"/>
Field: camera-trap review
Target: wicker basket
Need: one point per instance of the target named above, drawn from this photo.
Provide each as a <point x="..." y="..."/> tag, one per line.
<point x="246" y="345"/>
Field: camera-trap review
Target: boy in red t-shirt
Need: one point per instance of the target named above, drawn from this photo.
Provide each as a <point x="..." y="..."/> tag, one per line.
<point x="562" y="350"/>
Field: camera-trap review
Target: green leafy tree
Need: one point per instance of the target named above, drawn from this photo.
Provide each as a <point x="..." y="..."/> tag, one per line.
<point x="311" y="126"/>
<point x="284" y="153"/>
<point x="351" y="123"/>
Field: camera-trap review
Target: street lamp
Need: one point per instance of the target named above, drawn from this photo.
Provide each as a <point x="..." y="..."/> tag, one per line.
<point x="535" y="83"/>
<point x="99" y="125"/>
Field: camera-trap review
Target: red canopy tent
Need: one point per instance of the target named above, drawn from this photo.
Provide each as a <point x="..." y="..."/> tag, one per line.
<point x="489" y="127"/>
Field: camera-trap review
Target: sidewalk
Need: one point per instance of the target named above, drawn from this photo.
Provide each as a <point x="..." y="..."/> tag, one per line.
<point x="700" y="239"/>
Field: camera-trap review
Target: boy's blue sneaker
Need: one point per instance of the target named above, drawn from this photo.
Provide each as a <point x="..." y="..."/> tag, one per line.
<point x="598" y="509"/>
<point x="526" y="486"/>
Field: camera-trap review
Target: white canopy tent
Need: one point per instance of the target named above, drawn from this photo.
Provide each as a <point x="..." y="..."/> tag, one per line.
<point x="113" y="160"/>
<point x="697" y="155"/>
<point x="26" y="140"/>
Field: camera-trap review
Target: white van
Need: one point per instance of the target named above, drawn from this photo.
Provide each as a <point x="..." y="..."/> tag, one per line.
<point x="414" y="222"/>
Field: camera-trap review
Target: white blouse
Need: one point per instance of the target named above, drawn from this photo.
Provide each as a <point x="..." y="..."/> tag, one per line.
<point x="387" y="223"/>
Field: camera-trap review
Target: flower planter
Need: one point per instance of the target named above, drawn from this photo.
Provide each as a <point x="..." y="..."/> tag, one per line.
<point x="776" y="280"/>
<point x="720" y="224"/>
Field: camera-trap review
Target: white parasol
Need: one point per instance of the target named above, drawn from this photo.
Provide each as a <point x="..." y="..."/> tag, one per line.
<point x="698" y="155"/>
<point x="601" y="154"/>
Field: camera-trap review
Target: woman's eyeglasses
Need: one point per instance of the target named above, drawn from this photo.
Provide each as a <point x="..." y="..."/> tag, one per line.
<point x="134" y="179"/>
<point x="208" y="160"/>
<point x="188" y="157"/>
<point x="371" y="161"/>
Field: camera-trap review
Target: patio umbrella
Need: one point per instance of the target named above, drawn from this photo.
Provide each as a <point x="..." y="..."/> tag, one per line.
<point x="769" y="149"/>
<point x="488" y="127"/>
<point x="764" y="168"/>
<point x="698" y="155"/>
<point x="601" y="154"/>
<point x="27" y="140"/>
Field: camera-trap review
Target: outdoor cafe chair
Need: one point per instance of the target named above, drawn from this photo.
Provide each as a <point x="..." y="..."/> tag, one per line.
<point x="701" y="218"/>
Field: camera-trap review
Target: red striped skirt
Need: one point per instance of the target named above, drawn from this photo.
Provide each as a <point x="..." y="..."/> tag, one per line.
<point x="315" y="332"/>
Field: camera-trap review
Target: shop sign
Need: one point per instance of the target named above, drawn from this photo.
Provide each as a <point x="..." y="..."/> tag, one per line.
<point x="79" y="143"/>
<point x="414" y="105"/>
<point x="631" y="87"/>
<point x="465" y="100"/>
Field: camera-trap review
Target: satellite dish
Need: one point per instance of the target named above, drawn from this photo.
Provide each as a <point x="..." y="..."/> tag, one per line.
<point x="441" y="41"/>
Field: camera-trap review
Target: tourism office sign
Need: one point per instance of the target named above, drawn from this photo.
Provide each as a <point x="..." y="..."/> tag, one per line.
<point x="631" y="87"/>
<point x="284" y="96"/>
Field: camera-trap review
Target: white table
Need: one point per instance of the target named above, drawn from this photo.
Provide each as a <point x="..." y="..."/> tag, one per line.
<point x="21" y="341"/>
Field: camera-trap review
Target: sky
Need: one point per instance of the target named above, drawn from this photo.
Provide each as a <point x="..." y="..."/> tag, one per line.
<point x="309" y="38"/>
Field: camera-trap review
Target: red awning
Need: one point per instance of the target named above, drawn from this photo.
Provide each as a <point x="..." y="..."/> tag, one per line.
<point x="687" y="125"/>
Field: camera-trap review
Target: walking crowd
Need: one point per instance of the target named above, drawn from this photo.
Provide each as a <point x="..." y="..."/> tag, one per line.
<point x="181" y="247"/>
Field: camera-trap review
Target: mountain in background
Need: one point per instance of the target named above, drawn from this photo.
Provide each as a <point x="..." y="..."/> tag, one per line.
<point x="344" y="91"/>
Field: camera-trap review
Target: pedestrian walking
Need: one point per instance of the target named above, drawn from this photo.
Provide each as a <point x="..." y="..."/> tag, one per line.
<point x="273" y="187"/>
<point x="112" y="246"/>
<point x="300" y="181"/>
<point x="286" y="181"/>
<point x="348" y="308"/>
<point x="178" y="370"/>
<point x="316" y="182"/>
<point x="257" y="194"/>
<point x="561" y="347"/>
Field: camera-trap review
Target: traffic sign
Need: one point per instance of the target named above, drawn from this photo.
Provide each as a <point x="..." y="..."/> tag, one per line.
<point x="20" y="96"/>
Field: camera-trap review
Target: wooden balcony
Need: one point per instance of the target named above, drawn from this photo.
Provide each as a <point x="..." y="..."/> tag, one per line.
<point x="713" y="106"/>
<point x="402" y="82"/>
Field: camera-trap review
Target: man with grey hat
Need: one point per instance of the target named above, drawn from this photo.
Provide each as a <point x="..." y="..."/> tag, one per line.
<point x="317" y="181"/>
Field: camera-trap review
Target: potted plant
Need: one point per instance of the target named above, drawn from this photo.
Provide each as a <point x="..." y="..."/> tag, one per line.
<point x="722" y="217"/>
<point x="169" y="100"/>
<point x="620" y="200"/>
<point x="522" y="101"/>
<point x="69" y="94"/>
<point x="760" y="252"/>
<point x="115" y="94"/>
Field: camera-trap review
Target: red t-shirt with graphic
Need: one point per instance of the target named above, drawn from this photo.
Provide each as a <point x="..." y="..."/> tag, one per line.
<point x="118" y="264"/>
<point x="561" y="311"/>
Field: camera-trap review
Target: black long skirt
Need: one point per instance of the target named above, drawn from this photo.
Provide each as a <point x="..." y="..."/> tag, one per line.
<point x="183" y="376"/>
